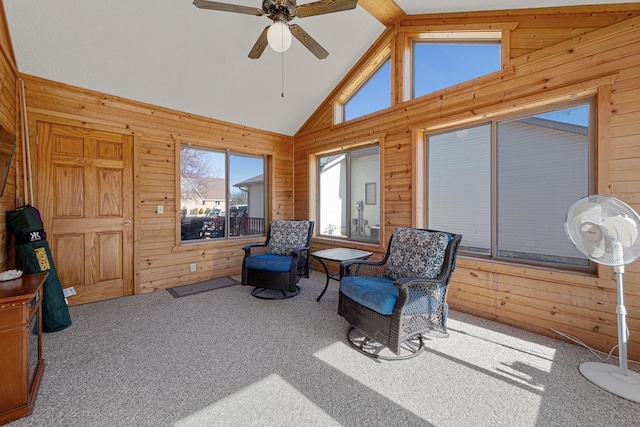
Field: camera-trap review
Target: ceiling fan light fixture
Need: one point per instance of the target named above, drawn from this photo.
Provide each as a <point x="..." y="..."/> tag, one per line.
<point x="279" y="36"/>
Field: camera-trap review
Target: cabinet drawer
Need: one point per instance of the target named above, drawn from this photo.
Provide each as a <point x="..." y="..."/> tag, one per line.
<point x="12" y="315"/>
<point x="17" y="314"/>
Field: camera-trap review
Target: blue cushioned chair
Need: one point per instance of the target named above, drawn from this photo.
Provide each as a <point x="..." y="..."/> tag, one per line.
<point x="279" y="262"/>
<point x="391" y="303"/>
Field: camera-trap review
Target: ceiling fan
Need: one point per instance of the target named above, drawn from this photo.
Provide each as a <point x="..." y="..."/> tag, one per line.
<point x="278" y="35"/>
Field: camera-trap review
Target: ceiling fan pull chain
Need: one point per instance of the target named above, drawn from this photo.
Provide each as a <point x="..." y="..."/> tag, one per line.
<point x="282" y="66"/>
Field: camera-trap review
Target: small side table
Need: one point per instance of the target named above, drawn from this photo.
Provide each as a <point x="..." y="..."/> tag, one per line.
<point x="339" y="255"/>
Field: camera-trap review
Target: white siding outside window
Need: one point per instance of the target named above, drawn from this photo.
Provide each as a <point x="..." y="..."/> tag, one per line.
<point x="542" y="165"/>
<point x="542" y="171"/>
<point x="333" y="202"/>
<point x="255" y="201"/>
<point x="365" y="169"/>
<point x="459" y="185"/>
<point x="349" y="194"/>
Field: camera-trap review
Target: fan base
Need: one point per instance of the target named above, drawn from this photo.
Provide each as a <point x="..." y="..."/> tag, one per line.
<point x="611" y="379"/>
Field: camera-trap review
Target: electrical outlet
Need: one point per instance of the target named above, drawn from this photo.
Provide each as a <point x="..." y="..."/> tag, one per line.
<point x="70" y="291"/>
<point x="160" y="210"/>
<point x="192" y="267"/>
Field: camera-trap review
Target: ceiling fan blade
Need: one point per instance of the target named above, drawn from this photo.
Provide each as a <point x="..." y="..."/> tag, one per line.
<point x="260" y="45"/>
<point x="308" y="41"/>
<point x="325" y="6"/>
<point x="226" y="7"/>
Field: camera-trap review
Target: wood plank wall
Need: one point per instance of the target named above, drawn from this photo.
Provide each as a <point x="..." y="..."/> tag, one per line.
<point x="159" y="263"/>
<point x="553" y="53"/>
<point x="9" y="121"/>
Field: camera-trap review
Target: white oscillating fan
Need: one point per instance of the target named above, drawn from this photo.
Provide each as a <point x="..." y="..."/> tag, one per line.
<point x="605" y="230"/>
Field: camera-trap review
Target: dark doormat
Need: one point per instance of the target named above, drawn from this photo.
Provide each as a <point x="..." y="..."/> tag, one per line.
<point x="196" y="288"/>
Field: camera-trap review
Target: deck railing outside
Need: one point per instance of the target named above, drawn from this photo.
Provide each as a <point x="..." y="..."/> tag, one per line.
<point x="193" y="228"/>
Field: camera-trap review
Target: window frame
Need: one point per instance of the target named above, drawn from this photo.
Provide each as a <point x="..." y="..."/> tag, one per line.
<point x="498" y="31"/>
<point x="381" y="53"/>
<point x="203" y="145"/>
<point x="590" y="101"/>
<point x="356" y="91"/>
<point x="317" y="188"/>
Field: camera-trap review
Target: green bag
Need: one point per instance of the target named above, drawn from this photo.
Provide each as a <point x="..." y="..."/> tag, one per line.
<point x="35" y="256"/>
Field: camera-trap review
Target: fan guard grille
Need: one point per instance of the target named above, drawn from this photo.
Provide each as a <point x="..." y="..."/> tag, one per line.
<point x="604" y="229"/>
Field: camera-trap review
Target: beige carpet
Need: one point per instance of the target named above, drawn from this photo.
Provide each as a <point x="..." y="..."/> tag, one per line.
<point x="225" y="358"/>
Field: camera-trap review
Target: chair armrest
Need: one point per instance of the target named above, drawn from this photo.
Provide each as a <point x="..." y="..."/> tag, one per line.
<point x="300" y="251"/>
<point x="442" y="278"/>
<point x="255" y="248"/>
<point x="360" y="267"/>
<point x="421" y="295"/>
<point x="407" y="282"/>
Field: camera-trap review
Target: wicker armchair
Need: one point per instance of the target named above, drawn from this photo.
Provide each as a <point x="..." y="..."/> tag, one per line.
<point x="279" y="262"/>
<point x="391" y="303"/>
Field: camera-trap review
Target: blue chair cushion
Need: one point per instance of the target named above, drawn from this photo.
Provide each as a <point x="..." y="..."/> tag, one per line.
<point x="375" y="293"/>
<point x="269" y="262"/>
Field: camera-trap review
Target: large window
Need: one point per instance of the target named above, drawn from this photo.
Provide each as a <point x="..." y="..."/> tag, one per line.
<point x="506" y="185"/>
<point x="442" y="62"/>
<point x="349" y="194"/>
<point x="222" y="195"/>
<point x="373" y="95"/>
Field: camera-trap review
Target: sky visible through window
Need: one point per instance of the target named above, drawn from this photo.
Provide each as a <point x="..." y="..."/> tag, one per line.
<point x="241" y="167"/>
<point x="436" y="66"/>
<point x="374" y="95"/>
<point x="440" y="65"/>
<point x="575" y="116"/>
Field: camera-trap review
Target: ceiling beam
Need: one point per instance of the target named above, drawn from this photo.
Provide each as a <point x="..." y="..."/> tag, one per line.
<point x="385" y="11"/>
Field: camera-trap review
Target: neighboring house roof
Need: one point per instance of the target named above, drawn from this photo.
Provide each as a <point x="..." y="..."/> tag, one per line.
<point x="204" y="188"/>
<point x="333" y="160"/>
<point x="258" y="179"/>
<point x="552" y="124"/>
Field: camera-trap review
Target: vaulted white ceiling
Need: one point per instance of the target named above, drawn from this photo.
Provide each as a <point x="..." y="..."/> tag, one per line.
<point x="171" y="54"/>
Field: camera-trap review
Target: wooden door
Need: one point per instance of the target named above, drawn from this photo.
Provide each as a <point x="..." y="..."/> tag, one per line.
<point x="85" y="197"/>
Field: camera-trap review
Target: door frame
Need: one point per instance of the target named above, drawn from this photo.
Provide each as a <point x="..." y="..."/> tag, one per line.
<point x="132" y="286"/>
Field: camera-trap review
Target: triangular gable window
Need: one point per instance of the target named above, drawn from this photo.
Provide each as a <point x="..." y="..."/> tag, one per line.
<point x="373" y="95"/>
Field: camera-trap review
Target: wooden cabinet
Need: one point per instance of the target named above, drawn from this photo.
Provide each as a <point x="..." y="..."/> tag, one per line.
<point x="21" y="362"/>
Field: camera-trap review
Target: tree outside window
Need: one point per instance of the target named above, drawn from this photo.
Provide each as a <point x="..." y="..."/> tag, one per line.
<point x="222" y="195"/>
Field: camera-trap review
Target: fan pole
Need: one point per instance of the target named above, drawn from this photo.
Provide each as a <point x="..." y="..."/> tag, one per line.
<point x="622" y="322"/>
